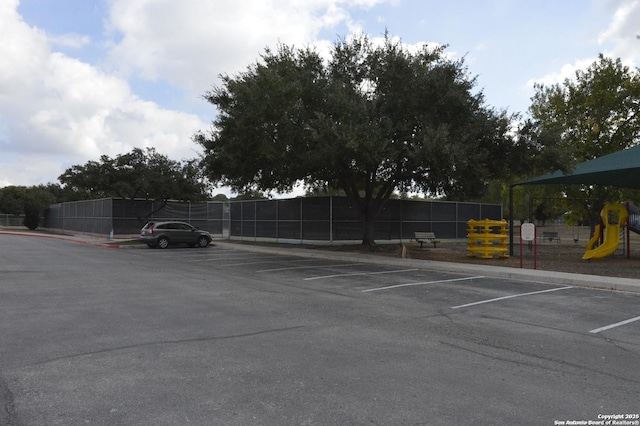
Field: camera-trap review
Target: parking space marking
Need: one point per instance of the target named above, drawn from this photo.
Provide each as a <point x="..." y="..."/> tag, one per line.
<point x="311" y="266"/>
<point x="264" y="261"/>
<point x="422" y="283"/>
<point x="509" y="297"/>
<point x="218" y="258"/>
<point x="618" y="324"/>
<point x="358" y="273"/>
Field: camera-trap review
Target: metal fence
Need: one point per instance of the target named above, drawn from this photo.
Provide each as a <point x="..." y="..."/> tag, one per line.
<point x="11" y="220"/>
<point x="125" y="217"/>
<point x="298" y="220"/>
<point x="334" y="219"/>
<point x="89" y="216"/>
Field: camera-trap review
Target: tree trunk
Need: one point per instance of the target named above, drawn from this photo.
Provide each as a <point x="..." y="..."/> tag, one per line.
<point x="368" y="219"/>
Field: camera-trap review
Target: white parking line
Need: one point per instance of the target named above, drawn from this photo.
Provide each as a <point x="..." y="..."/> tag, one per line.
<point x="358" y="273"/>
<point x="618" y="324"/>
<point x="509" y="297"/>
<point x="227" y="256"/>
<point x="311" y="266"/>
<point x="422" y="283"/>
<point x="263" y="261"/>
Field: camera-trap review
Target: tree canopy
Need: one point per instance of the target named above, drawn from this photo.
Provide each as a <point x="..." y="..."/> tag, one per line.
<point x="594" y="114"/>
<point x="139" y="174"/>
<point x="28" y="201"/>
<point x="370" y="120"/>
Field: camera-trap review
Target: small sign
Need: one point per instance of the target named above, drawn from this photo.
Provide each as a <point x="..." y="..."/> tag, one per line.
<point x="527" y="232"/>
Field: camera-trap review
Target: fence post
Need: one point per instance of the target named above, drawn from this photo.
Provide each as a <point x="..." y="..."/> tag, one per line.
<point x="301" y="213"/>
<point x="331" y="219"/>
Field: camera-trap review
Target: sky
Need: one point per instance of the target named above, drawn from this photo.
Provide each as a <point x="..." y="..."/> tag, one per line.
<point x="85" y="78"/>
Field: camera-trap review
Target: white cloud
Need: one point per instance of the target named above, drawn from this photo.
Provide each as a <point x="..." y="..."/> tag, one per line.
<point x="621" y="39"/>
<point x="56" y="111"/>
<point x="566" y="72"/>
<point x="73" y="41"/>
<point x="623" y="32"/>
<point x="190" y="43"/>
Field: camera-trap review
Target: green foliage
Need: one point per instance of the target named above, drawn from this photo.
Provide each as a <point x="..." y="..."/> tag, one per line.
<point x="595" y="114"/>
<point x="220" y="197"/>
<point x="138" y="174"/>
<point x="369" y="121"/>
<point x="12" y="199"/>
<point x="30" y="201"/>
<point x="251" y="195"/>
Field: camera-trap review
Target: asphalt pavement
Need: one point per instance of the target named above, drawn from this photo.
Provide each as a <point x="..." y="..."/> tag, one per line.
<point x="560" y="278"/>
<point x="241" y="334"/>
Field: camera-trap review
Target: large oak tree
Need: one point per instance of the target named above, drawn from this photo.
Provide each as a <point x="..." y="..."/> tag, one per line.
<point x="369" y="120"/>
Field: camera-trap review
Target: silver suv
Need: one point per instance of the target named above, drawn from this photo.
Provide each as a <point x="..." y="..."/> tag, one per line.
<point x="162" y="234"/>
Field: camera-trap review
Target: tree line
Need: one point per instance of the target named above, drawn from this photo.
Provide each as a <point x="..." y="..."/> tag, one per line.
<point x="376" y="120"/>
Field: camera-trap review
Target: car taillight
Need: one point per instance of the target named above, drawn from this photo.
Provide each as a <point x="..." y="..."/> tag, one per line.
<point x="151" y="229"/>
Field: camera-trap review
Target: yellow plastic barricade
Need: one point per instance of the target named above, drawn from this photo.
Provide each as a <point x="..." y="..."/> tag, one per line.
<point x="487" y="238"/>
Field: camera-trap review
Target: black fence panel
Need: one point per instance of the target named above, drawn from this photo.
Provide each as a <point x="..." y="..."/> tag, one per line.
<point x="289" y="209"/>
<point x="343" y="209"/>
<point x="289" y="230"/>
<point x="322" y="219"/>
<point x="267" y="210"/>
<point x="91" y="216"/>
<point x="11" y="220"/>
<point x="490" y="211"/>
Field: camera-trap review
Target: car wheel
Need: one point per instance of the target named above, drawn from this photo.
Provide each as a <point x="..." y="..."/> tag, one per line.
<point x="203" y="241"/>
<point x="163" y="242"/>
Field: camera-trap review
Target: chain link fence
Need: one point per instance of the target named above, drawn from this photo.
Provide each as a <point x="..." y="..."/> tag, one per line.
<point x="11" y="220"/>
<point x="334" y="219"/>
<point x="296" y="220"/>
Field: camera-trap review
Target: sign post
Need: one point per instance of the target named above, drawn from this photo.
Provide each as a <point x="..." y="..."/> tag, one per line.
<point x="528" y="233"/>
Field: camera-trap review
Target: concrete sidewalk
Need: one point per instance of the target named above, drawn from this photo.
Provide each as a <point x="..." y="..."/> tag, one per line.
<point x="549" y="277"/>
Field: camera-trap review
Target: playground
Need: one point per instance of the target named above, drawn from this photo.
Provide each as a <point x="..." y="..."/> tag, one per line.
<point x="612" y="249"/>
<point x="562" y="255"/>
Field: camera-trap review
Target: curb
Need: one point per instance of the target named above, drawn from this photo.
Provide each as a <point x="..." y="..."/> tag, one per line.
<point x="69" y="238"/>
<point x="542" y="276"/>
<point x="504" y="272"/>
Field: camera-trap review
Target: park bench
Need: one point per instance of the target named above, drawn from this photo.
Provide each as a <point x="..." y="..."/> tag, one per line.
<point x="426" y="237"/>
<point x="551" y="236"/>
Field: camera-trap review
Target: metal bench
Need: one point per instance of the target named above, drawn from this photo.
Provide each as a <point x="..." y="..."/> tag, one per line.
<point x="551" y="236"/>
<point x="426" y="237"/>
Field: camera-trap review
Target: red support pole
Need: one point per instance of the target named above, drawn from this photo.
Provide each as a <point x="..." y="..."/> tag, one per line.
<point x="520" y="249"/>
<point x="535" y="248"/>
<point x="628" y="238"/>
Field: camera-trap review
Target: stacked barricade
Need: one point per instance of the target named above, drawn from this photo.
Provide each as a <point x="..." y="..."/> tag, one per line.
<point x="487" y="238"/>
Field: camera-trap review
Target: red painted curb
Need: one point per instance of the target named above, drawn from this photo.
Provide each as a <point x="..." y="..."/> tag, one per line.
<point x="58" y="237"/>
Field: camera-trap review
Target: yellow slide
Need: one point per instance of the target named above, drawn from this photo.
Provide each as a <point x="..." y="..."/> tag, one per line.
<point x="613" y="217"/>
<point x="594" y="240"/>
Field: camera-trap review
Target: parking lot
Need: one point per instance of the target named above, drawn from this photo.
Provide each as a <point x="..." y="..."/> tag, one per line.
<point x="570" y="308"/>
<point x="225" y="335"/>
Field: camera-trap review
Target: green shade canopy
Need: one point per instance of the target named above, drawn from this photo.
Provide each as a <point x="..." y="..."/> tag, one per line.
<point x="621" y="169"/>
